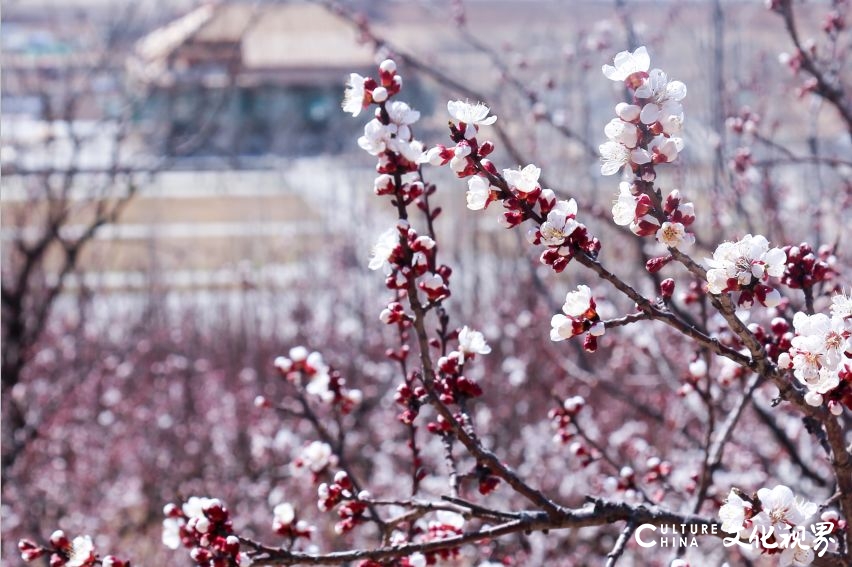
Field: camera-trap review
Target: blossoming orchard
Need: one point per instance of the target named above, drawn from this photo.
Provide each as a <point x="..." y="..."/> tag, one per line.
<point x="700" y="413"/>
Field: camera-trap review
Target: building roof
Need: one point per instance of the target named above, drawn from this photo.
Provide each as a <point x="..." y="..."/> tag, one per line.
<point x="293" y="36"/>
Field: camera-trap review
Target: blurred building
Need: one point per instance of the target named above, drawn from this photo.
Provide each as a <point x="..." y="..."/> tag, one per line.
<point x="274" y="72"/>
<point x="211" y="114"/>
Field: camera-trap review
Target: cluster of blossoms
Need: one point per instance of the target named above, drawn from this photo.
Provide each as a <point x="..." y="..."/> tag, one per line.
<point x="285" y="522"/>
<point x="562" y="417"/>
<point x="390" y="131"/>
<point x="580" y="316"/>
<point x="463" y="157"/>
<point x="561" y="232"/>
<point x="521" y="195"/>
<point x="410" y="259"/>
<point x="641" y="136"/>
<point x="635" y="209"/>
<point x="445" y="525"/>
<point x="63" y="552"/>
<point x="452" y="385"/>
<point x="821" y="355"/>
<point x="310" y="371"/>
<point x="411" y="398"/>
<point x="388" y="136"/>
<point x="745" y="121"/>
<point x="404" y="254"/>
<point x="518" y="190"/>
<point x="408" y="256"/>
<point x="624" y="483"/>
<point x="805" y="268"/>
<point x="315" y="457"/>
<point x="203" y="526"/>
<point x="743" y="267"/>
<point x="351" y="506"/>
<point x="777" y="522"/>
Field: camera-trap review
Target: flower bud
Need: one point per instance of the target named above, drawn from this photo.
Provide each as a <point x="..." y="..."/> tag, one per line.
<point x="654" y="265"/>
<point x="672" y="202"/>
<point x="667" y="287"/>
<point x="59" y="540"/>
<point x="813" y="399"/>
<point x="380" y="94"/>
<point x="698" y="368"/>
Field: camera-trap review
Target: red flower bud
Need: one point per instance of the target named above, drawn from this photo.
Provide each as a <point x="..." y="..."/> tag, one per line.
<point x="654" y="265"/>
<point x="667" y="287"/>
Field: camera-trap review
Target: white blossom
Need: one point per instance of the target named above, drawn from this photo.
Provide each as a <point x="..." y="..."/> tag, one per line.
<point x="813" y="399"/>
<point x="664" y="105"/>
<point x="820" y="334"/>
<point x="665" y="149"/>
<point x="698" y="368"/>
<point x="732" y="513"/>
<point x="478" y="192"/>
<point x="798" y="555"/>
<point x="577" y="303"/>
<point x="472" y="342"/>
<point x="841" y="305"/>
<point x="374" y="140"/>
<point x="614" y="156"/>
<point x="782" y="510"/>
<point x="171" y="532"/>
<point x="674" y="235"/>
<point x="476" y="114"/>
<point x="380" y="94"/>
<point x="384" y="247"/>
<point x="561" y="328"/>
<point x="434" y="282"/>
<point x="627" y="63"/>
<point x="195" y="505"/>
<point x="401" y="114"/>
<point x="524" y="180"/>
<point x="353" y="97"/>
<point x="319" y="386"/>
<point x="624" y="208"/>
<point x="452" y="519"/>
<point x="818" y="353"/>
<point x="82" y="551"/>
<point x="560" y="223"/>
<point x="744" y="261"/>
<point x="625" y="133"/>
<point x="315" y="457"/>
<point x="283" y="515"/>
<point x="432" y="156"/>
<point x="395" y="136"/>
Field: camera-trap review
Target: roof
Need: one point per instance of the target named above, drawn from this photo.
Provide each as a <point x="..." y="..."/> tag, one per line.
<point x="163" y="41"/>
<point x="290" y="36"/>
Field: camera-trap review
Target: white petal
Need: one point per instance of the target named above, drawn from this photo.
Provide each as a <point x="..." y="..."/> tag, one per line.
<point x="640" y="156"/>
<point x="650" y="113"/>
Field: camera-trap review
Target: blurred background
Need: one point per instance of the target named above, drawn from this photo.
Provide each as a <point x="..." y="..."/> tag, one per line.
<point x="183" y="200"/>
